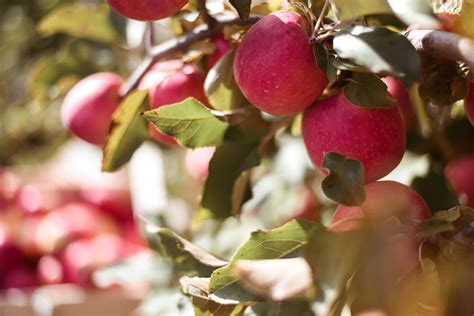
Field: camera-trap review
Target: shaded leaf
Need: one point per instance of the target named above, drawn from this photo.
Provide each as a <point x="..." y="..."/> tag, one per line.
<point x="368" y="91"/>
<point x="190" y="122"/>
<point x="277" y="279"/>
<point x="418" y="12"/>
<point x="224" y="193"/>
<point x="206" y="304"/>
<point x="441" y="221"/>
<point x="346" y="10"/>
<point x="272" y="244"/>
<point x="220" y="86"/>
<point x="242" y="7"/>
<point x="185" y="255"/>
<point x="378" y="49"/>
<point x="127" y="132"/>
<point x="345" y="182"/>
<point x="464" y="25"/>
<point x="79" y="20"/>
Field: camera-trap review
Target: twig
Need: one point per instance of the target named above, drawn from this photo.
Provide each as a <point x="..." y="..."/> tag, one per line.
<point x="149" y="37"/>
<point x="320" y="20"/>
<point x="443" y="44"/>
<point x="180" y="44"/>
<point x="204" y="13"/>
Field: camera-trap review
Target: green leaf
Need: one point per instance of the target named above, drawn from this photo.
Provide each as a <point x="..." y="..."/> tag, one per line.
<point x="277" y="243"/>
<point x="345" y="182"/>
<point x="79" y="20"/>
<point x="379" y="50"/>
<point x="368" y="91"/>
<point x="346" y="10"/>
<point x="242" y="7"/>
<point x="224" y="193"/>
<point x="414" y="12"/>
<point x="127" y="132"/>
<point x="190" y="122"/>
<point x="220" y="86"/>
<point x="185" y="255"/>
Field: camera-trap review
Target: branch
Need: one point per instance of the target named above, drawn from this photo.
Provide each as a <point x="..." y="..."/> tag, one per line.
<point x="181" y="44"/>
<point x="207" y="18"/>
<point x="443" y="44"/>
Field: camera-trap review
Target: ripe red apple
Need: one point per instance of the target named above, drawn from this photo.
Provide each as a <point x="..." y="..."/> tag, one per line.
<point x="398" y="91"/>
<point x="172" y="82"/>
<point x="469" y="103"/>
<point x="222" y="47"/>
<point x="197" y="162"/>
<point x="460" y="174"/>
<point x="375" y="137"/>
<point x="88" y="107"/>
<point x="275" y="67"/>
<point x="147" y="10"/>
<point x="384" y="199"/>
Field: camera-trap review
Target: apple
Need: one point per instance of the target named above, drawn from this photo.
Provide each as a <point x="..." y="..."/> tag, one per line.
<point x="460" y="173"/>
<point x="147" y="10"/>
<point x="398" y="91"/>
<point x="172" y="82"/>
<point x="20" y="276"/>
<point x="87" y="108"/>
<point x="222" y="47"/>
<point x="375" y="137"/>
<point x="384" y="199"/>
<point x="114" y="201"/>
<point x="275" y="67"/>
<point x="197" y="162"/>
<point x="469" y="103"/>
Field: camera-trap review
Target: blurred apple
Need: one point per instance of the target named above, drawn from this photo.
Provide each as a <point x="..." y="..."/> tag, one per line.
<point x="197" y="162"/>
<point x="20" y="276"/>
<point x="222" y="47"/>
<point x="460" y="173"/>
<point x="117" y="202"/>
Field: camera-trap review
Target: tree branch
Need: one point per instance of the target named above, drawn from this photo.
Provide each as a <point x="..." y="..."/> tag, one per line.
<point x="443" y="44"/>
<point x="181" y="44"/>
<point x="207" y="18"/>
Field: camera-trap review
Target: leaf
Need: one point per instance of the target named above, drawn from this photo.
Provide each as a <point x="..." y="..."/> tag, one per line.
<point x="242" y="7"/>
<point x="205" y="303"/>
<point x="224" y="193"/>
<point x="127" y="132"/>
<point x="418" y="12"/>
<point x="380" y="51"/>
<point x="464" y="25"/>
<point x="272" y="244"/>
<point x="346" y="10"/>
<point x="190" y="122"/>
<point x="325" y="62"/>
<point x="276" y="279"/>
<point x="333" y="258"/>
<point x="220" y="86"/>
<point x="185" y="255"/>
<point x="345" y="182"/>
<point x="79" y="20"/>
<point x="440" y="222"/>
<point x="368" y="91"/>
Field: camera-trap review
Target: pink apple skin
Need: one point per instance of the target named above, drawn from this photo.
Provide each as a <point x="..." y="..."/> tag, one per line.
<point x="116" y="202"/>
<point x="172" y="82"/>
<point x="460" y="174"/>
<point x="275" y="67"/>
<point x="88" y="107"/>
<point x="19" y="276"/>
<point x="469" y="103"/>
<point x="197" y="162"/>
<point x="222" y="47"/>
<point x="147" y="10"/>
<point x="398" y="91"/>
<point x="375" y="137"/>
<point x="384" y="199"/>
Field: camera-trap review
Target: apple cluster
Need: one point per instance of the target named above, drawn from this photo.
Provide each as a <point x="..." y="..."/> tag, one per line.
<point x="53" y="235"/>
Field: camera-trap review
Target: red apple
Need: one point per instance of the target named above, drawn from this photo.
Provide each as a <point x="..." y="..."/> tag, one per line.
<point x="197" y="162"/>
<point x="460" y="173"/>
<point x="384" y="199"/>
<point x="275" y="67"/>
<point x="469" y="103"/>
<point x="375" y="137"/>
<point x="87" y="109"/>
<point x="20" y="276"/>
<point x="222" y="47"/>
<point x="172" y="82"/>
<point x="147" y="10"/>
<point x="117" y="202"/>
<point x="398" y="91"/>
